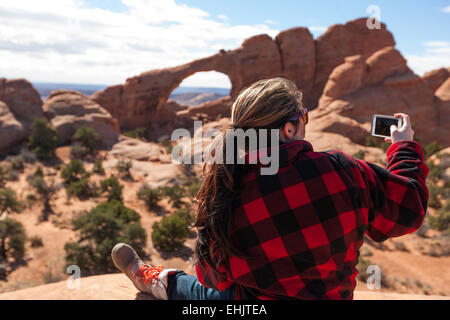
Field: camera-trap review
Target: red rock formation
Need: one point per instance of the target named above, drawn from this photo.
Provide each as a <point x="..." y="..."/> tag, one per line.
<point x="20" y="104"/>
<point x="22" y="99"/>
<point x="442" y="102"/>
<point x="11" y="130"/>
<point x="352" y="69"/>
<point x="345" y="78"/>
<point x="381" y="84"/>
<point x="341" y="41"/>
<point x="141" y="101"/>
<point x="212" y="109"/>
<point x="69" y="110"/>
<point x="443" y="92"/>
<point x="435" y="78"/>
<point x="298" y="54"/>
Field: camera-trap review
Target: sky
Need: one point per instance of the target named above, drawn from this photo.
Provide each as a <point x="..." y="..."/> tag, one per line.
<point x="107" y="41"/>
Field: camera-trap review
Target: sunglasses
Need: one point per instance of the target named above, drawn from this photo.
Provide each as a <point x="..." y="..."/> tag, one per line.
<point x="303" y="113"/>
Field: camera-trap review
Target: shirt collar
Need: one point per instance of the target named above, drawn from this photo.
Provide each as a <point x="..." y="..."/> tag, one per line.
<point x="288" y="152"/>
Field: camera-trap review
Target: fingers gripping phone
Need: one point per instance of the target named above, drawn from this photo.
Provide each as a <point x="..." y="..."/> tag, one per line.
<point x="381" y="125"/>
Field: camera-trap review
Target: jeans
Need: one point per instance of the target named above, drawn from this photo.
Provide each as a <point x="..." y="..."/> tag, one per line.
<point x="182" y="286"/>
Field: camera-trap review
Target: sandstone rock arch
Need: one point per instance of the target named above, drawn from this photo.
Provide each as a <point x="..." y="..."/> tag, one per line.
<point x="204" y="82"/>
<point x="293" y="54"/>
<point x="141" y="100"/>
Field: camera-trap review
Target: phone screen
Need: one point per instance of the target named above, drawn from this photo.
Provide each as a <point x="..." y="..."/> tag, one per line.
<point x="383" y="126"/>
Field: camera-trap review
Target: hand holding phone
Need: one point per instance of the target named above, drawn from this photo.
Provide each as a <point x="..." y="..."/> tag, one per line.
<point x="403" y="132"/>
<point x="393" y="129"/>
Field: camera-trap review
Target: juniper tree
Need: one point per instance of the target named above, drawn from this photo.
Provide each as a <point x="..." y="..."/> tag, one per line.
<point x="43" y="139"/>
<point x="12" y="239"/>
<point x="99" y="230"/>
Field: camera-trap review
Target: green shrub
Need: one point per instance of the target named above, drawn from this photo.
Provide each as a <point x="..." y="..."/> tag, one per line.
<point x="447" y="185"/>
<point x="78" y="151"/>
<point x="36" y="242"/>
<point x="76" y="179"/>
<point x="9" y="202"/>
<point x="431" y="148"/>
<point x="435" y="193"/>
<point x="98" y="167"/>
<point x="385" y="146"/>
<point x="28" y="156"/>
<point x="30" y="200"/>
<point x="46" y="191"/>
<point x="193" y="188"/>
<point x="151" y="197"/>
<point x="124" y="166"/>
<point x="13" y="175"/>
<point x="43" y="139"/>
<point x="73" y="172"/>
<point x="3" y="176"/>
<point x="7" y="173"/>
<point x="360" y="154"/>
<point x="80" y="189"/>
<point x="139" y="133"/>
<point x="371" y="141"/>
<point x="171" y="232"/>
<point x="99" y="230"/>
<point x="88" y="137"/>
<point x="174" y="194"/>
<point x="17" y="163"/>
<point x="362" y="266"/>
<point x="441" y="219"/>
<point x="435" y="171"/>
<point x="113" y="188"/>
<point x="186" y="214"/>
<point x="39" y="172"/>
<point x="95" y="189"/>
<point x="12" y="239"/>
<point x="400" y="246"/>
<point x="166" y="143"/>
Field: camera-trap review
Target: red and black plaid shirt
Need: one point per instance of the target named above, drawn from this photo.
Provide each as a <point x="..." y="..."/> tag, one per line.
<point x="299" y="232"/>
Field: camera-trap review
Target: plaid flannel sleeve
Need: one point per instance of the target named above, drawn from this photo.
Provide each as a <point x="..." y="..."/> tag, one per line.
<point x="396" y="197"/>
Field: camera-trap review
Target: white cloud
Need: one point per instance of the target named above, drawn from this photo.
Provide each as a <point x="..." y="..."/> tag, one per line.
<point x="269" y="21"/>
<point x="446" y="9"/>
<point x="67" y="41"/>
<point x="440" y="47"/>
<point x="437" y="55"/>
<point x="222" y="17"/>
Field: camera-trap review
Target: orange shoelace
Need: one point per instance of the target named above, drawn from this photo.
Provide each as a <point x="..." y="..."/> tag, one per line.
<point x="148" y="273"/>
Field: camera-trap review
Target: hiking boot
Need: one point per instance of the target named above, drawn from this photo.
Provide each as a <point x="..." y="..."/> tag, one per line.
<point x="145" y="278"/>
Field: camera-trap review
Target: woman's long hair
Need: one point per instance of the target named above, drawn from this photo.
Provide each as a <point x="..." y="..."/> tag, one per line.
<point x="267" y="104"/>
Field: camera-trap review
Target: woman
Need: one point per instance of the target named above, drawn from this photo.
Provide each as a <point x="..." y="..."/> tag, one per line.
<point x="295" y="234"/>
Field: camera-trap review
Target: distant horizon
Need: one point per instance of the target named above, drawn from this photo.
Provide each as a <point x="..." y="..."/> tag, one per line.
<point x="108" y="85"/>
<point x="45" y="88"/>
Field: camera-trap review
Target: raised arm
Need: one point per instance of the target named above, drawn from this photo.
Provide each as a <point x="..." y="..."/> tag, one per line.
<point x="397" y="196"/>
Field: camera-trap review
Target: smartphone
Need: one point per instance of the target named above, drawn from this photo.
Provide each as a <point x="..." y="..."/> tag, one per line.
<point x="381" y="125"/>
